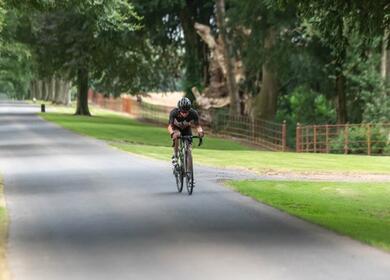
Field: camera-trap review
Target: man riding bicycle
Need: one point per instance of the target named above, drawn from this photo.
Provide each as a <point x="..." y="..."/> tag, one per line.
<point x="180" y="121"/>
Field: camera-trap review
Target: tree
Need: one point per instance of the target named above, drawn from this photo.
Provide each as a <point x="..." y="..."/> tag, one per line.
<point x="15" y="58"/>
<point x="78" y="37"/>
<point x="170" y="24"/>
<point x="228" y="59"/>
<point x="334" y="20"/>
<point x="385" y="59"/>
<point x="256" y="28"/>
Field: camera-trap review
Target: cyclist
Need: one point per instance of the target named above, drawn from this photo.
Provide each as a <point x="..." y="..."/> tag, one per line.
<point x="180" y="121"/>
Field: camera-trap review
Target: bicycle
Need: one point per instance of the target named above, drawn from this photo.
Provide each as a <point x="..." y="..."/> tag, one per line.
<point x="185" y="169"/>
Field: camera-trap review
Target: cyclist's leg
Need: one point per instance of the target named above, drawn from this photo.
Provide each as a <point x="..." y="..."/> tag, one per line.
<point x="187" y="132"/>
<point x="176" y="143"/>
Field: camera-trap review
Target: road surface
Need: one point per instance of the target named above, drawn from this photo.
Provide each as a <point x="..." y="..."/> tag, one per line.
<point x="80" y="209"/>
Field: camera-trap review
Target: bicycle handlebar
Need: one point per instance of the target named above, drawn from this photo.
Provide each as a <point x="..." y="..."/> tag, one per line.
<point x="190" y="137"/>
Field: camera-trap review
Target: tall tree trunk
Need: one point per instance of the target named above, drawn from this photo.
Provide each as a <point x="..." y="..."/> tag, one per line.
<point x="50" y="89"/>
<point x="385" y="60"/>
<point x="196" y="52"/>
<point x="191" y="44"/>
<point x="265" y="103"/>
<point x="57" y="90"/>
<point x="341" y="96"/>
<point x="340" y="50"/>
<point x="82" y="94"/>
<point x="45" y="89"/>
<point x="229" y="60"/>
<point x="66" y="92"/>
<point x="39" y="90"/>
<point x="341" y="104"/>
<point x="33" y="88"/>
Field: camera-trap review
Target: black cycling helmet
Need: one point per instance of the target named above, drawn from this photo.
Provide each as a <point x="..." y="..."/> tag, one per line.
<point x="184" y="104"/>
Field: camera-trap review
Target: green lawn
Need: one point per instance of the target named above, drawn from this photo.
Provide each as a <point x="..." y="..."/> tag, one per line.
<point x="140" y="138"/>
<point x="359" y="210"/>
<point x="3" y="235"/>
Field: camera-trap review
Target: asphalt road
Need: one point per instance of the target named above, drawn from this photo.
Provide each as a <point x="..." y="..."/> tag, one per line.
<point x="80" y="209"/>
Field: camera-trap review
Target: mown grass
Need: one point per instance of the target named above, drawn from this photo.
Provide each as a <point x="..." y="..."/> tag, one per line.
<point x="359" y="210"/>
<point x="3" y="235"/>
<point x="136" y="137"/>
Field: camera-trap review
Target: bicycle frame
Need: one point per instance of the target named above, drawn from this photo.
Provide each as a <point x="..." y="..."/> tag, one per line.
<point x="185" y="158"/>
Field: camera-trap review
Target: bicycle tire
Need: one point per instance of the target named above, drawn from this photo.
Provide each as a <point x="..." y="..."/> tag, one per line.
<point x="179" y="180"/>
<point x="189" y="173"/>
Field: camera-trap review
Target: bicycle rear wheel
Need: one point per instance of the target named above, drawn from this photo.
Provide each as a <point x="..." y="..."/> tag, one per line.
<point x="189" y="173"/>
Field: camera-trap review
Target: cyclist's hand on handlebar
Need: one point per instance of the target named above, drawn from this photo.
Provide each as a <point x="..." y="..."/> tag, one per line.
<point x="175" y="135"/>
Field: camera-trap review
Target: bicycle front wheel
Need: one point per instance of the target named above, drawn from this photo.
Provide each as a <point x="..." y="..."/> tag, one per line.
<point x="179" y="179"/>
<point x="189" y="173"/>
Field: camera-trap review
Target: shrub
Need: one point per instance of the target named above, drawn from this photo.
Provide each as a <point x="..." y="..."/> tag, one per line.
<point x="357" y="141"/>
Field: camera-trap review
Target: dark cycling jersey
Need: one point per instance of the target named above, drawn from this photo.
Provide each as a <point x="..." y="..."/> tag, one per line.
<point x="180" y="122"/>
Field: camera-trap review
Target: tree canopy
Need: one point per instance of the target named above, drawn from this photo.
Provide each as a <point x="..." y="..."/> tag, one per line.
<point x="295" y="60"/>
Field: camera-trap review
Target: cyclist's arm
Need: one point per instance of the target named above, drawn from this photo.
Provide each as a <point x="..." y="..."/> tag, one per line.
<point x="200" y="131"/>
<point x="170" y="129"/>
<point x="170" y="122"/>
<point x="199" y="128"/>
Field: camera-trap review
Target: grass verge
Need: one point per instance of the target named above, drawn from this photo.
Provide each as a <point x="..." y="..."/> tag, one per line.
<point x="135" y="137"/>
<point x="359" y="210"/>
<point x="3" y="235"/>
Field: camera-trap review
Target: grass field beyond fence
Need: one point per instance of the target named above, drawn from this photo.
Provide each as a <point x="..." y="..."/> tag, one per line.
<point x="359" y="210"/>
<point x="135" y="137"/>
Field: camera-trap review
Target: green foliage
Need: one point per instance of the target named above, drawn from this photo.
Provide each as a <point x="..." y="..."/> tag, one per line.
<point x="15" y="63"/>
<point x="367" y="93"/>
<point x="14" y="58"/>
<point x="2" y="14"/>
<point x="337" y="24"/>
<point x="304" y="106"/>
<point x="133" y="46"/>
<point x="72" y="37"/>
<point x="248" y="25"/>
<point x="357" y="141"/>
<point x="308" y="106"/>
<point x="170" y="25"/>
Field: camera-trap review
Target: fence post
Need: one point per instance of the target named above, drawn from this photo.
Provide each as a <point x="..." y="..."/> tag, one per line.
<point x="327" y="138"/>
<point x="369" y="139"/>
<point x="284" y="135"/>
<point x="346" y="139"/>
<point x="253" y="129"/>
<point x="307" y="138"/>
<point x="315" y="138"/>
<point x="298" y="138"/>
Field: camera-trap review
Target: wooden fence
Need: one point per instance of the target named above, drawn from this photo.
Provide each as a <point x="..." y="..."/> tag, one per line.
<point x="264" y="134"/>
<point x="344" y="138"/>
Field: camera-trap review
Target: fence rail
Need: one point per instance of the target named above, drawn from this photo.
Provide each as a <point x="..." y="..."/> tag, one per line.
<point x="265" y="134"/>
<point x="125" y="104"/>
<point x="344" y="138"/>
